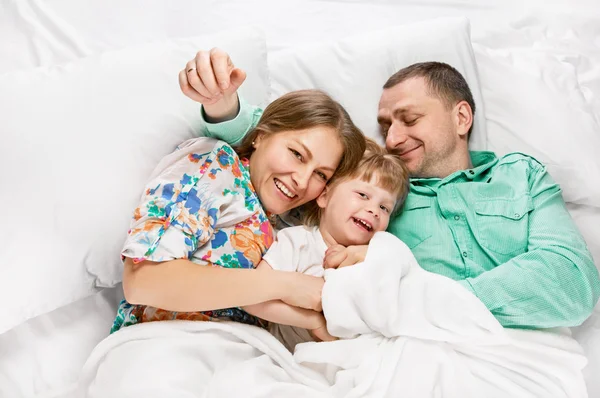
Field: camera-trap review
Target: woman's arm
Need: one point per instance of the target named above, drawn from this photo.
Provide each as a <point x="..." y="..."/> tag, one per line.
<point x="181" y="285"/>
<point x="279" y="312"/>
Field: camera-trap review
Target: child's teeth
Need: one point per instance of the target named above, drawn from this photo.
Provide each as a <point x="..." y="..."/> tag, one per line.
<point x="367" y="226"/>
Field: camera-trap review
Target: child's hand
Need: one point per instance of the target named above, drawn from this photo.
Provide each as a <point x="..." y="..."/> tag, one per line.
<point x="339" y="256"/>
<point x="321" y="334"/>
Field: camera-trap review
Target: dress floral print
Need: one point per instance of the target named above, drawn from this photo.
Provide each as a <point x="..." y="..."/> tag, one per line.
<point x="199" y="205"/>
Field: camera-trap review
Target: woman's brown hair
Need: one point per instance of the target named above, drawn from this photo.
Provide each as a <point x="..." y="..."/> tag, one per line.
<point x="303" y="109"/>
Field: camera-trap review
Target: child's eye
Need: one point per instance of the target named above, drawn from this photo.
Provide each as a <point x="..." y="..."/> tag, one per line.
<point x="296" y="154"/>
<point x="362" y="195"/>
<point x="384" y="208"/>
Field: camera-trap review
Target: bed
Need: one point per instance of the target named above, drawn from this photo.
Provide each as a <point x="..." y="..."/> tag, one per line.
<point x="538" y="73"/>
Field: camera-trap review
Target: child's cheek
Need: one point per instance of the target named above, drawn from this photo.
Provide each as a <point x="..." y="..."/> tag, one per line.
<point x="383" y="226"/>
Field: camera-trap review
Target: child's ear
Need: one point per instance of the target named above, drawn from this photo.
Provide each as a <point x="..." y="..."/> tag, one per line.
<point x="323" y="198"/>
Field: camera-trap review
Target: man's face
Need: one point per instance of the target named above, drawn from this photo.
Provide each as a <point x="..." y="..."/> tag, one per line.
<point x="420" y="128"/>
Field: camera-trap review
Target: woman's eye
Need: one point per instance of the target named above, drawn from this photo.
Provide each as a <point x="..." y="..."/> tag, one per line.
<point x="322" y="175"/>
<point x="411" y="122"/>
<point x="296" y="153"/>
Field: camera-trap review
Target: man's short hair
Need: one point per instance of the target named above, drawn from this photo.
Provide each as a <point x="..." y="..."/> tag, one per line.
<point x="443" y="81"/>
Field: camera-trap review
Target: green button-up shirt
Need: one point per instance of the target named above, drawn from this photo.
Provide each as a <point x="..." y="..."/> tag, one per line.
<point x="501" y="229"/>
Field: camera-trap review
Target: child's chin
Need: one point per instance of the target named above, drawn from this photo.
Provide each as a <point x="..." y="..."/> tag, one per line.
<point x="359" y="241"/>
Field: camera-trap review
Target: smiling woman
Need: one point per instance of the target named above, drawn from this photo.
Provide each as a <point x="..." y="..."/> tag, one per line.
<point x="298" y="115"/>
<point x="208" y="205"/>
<point x="297" y="172"/>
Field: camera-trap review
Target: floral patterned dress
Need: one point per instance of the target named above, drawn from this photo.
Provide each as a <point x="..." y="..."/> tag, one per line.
<point x="199" y="205"/>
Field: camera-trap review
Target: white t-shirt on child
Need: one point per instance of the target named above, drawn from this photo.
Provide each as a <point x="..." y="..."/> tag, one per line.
<point x="297" y="249"/>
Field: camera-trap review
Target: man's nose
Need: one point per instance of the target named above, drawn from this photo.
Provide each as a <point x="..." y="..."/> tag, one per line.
<point x="396" y="136"/>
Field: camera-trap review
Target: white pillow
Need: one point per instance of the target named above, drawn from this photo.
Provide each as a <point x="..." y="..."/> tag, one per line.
<point x="354" y="70"/>
<point x="535" y="105"/>
<point x="77" y="144"/>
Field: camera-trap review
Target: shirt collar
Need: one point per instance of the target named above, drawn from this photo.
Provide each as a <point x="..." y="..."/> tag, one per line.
<point x="482" y="162"/>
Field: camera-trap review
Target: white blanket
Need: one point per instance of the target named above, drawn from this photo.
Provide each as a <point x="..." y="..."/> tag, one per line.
<point x="406" y="332"/>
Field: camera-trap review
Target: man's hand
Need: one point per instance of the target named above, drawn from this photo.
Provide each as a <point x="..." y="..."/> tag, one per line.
<point x="338" y="256"/>
<point x="212" y="79"/>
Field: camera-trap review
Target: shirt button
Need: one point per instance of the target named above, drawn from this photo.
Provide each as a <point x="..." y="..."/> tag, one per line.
<point x="517" y="215"/>
<point x="464" y="254"/>
<point x="457" y="218"/>
<point x="471" y="172"/>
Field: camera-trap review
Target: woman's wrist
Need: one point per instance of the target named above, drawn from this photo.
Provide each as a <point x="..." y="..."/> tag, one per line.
<point x="282" y="283"/>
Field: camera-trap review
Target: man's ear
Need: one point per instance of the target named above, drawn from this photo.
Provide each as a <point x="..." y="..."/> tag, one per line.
<point x="323" y="198"/>
<point x="464" y="118"/>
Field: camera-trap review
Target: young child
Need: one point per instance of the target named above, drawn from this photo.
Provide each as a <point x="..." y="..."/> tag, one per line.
<point x="349" y="212"/>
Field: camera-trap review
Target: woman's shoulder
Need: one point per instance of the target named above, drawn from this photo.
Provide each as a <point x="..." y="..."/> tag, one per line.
<point x="190" y="154"/>
<point x="207" y="144"/>
<point x="203" y="167"/>
<point x="214" y="158"/>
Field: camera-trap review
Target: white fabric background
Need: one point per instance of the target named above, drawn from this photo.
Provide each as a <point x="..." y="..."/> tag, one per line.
<point x="552" y="43"/>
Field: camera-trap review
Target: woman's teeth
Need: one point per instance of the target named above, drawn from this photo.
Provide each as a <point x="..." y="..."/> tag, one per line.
<point x="283" y="189"/>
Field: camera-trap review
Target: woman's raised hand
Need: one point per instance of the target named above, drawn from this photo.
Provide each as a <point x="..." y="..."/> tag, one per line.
<point x="212" y="79"/>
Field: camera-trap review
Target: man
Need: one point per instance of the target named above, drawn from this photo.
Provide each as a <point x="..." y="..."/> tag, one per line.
<point x="497" y="226"/>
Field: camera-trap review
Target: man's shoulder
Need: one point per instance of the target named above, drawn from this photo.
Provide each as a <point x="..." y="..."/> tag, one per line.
<point x="520" y="158"/>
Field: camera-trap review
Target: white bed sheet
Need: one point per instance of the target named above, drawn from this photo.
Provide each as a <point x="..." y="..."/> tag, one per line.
<point x="43" y="356"/>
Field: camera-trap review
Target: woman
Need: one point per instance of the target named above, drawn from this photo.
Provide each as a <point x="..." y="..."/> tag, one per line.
<point x="205" y="205"/>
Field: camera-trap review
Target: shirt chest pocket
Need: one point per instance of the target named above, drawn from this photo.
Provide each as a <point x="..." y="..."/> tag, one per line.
<point x="414" y="224"/>
<point x="503" y="223"/>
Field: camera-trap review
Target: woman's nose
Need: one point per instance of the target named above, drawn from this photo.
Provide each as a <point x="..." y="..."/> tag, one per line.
<point x="301" y="178"/>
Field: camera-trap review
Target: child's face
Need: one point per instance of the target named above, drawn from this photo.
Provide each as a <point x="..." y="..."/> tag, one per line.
<point x="354" y="210"/>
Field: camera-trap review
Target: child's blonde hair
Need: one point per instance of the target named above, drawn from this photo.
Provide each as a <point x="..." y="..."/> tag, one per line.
<point x="388" y="168"/>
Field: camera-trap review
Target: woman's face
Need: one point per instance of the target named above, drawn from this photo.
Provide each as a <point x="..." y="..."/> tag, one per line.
<point x="291" y="168"/>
